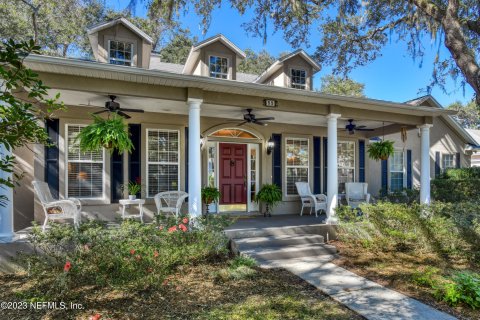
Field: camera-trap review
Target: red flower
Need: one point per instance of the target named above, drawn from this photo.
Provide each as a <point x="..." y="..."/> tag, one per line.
<point x="172" y="229"/>
<point x="97" y="316"/>
<point x="185" y="220"/>
<point x="155" y="253"/>
<point x="67" y="266"/>
<point x="132" y="251"/>
<point x="182" y="227"/>
<point x="138" y="257"/>
<point x="138" y="180"/>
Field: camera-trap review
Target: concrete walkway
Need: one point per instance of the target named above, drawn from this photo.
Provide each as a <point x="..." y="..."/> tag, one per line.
<point x="363" y="296"/>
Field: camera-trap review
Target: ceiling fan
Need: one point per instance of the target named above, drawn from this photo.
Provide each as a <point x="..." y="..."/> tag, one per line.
<point x="351" y="127"/>
<point x="249" y="117"/>
<point x="113" y="106"/>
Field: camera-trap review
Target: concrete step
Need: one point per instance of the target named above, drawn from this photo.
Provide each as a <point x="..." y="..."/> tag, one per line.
<point x="278" y="241"/>
<point x="289" y="252"/>
<point x="327" y="231"/>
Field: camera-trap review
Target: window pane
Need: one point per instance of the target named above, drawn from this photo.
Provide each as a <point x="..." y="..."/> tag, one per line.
<point x="162" y="161"/>
<point x="345" y="175"/>
<point x="396" y="170"/>
<point x="396" y="181"/>
<point x="296" y="150"/>
<point x="346" y="163"/>
<point x="84" y="170"/>
<point x="298" y="79"/>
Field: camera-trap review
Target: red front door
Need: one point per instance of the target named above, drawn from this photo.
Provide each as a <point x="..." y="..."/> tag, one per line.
<point x="233" y="173"/>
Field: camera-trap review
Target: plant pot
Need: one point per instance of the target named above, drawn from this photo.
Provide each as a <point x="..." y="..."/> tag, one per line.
<point x="132" y="197"/>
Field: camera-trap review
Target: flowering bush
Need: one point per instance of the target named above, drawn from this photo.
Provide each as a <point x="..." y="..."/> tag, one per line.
<point x="132" y="256"/>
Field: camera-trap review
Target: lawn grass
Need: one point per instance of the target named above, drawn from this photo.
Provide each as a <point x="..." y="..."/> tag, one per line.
<point x="400" y="271"/>
<point x="206" y="291"/>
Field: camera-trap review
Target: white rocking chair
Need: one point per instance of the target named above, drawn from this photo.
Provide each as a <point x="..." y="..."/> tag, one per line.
<point x="170" y="201"/>
<point x="356" y="194"/>
<point x="310" y="200"/>
<point x="57" y="209"/>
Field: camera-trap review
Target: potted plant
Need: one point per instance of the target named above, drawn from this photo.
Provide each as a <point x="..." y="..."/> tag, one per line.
<point x="380" y="150"/>
<point x="210" y="195"/>
<point x="110" y="133"/>
<point x="271" y="195"/>
<point x="133" y="188"/>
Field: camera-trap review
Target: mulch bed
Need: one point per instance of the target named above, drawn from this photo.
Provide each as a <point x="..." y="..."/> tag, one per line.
<point x="395" y="269"/>
<point x="194" y="292"/>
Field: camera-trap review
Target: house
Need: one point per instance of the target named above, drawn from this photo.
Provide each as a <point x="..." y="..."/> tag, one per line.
<point x="193" y="129"/>
<point x="475" y="159"/>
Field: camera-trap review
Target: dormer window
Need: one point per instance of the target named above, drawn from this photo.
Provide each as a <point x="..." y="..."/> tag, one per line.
<point x="218" y="67"/>
<point x="120" y="53"/>
<point x="298" y="79"/>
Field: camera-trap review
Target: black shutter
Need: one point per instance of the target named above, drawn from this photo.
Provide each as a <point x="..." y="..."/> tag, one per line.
<point x="186" y="159"/>
<point x="385" y="176"/>
<point x="437" y="163"/>
<point x="51" y="157"/>
<point x="277" y="160"/>
<point x="409" y="169"/>
<point x="116" y="177"/>
<point x="361" y="161"/>
<point x="325" y="163"/>
<point x="134" y="165"/>
<point x="458" y="161"/>
<point x="317" y="167"/>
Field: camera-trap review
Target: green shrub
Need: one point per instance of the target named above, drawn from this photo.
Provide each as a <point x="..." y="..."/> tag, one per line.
<point x="464" y="287"/>
<point x="451" y="190"/>
<point x="449" y="230"/>
<point x="400" y="196"/>
<point x="461" y="173"/>
<point x="426" y="277"/>
<point x="241" y="267"/>
<point x="131" y="256"/>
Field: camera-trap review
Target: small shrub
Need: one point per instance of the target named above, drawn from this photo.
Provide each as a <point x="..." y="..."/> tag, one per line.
<point x="462" y="173"/>
<point x="239" y="261"/>
<point x="450" y="190"/>
<point x="426" y="277"/>
<point x="241" y="267"/>
<point x="463" y="288"/>
<point x="407" y="196"/>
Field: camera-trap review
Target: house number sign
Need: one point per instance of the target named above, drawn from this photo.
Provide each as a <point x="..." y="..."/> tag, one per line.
<point x="270" y="103"/>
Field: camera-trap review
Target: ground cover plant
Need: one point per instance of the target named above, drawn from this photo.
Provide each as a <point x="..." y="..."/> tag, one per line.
<point x="431" y="253"/>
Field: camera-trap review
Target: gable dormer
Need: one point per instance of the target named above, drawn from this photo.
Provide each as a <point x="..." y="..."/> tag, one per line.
<point x="120" y="42"/>
<point x="215" y="57"/>
<point x="294" y="70"/>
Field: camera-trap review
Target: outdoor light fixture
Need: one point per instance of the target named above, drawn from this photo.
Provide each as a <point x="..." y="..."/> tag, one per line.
<point x="270" y="145"/>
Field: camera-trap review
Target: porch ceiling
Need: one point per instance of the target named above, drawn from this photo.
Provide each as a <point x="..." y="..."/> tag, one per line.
<point x="96" y="101"/>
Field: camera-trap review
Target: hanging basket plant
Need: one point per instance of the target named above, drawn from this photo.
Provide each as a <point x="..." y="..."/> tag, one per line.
<point x="111" y="133"/>
<point x="380" y="150"/>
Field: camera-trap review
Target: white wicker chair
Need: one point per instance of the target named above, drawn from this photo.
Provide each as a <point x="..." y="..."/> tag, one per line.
<point x="57" y="209"/>
<point x="356" y="193"/>
<point x="170" y="201"/>
<point x="309" y="200"/>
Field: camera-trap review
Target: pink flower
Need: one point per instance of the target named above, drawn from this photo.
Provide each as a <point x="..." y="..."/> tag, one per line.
<point x="132" y="251"/>
<point x="172" y="229"/>
<point x="185" y="220"/>
<point x="182" y="227"/>
<point x="160" y="228"/>
<point x="67" y="266"/>
<point x="96" y="316"/>
<point x="155" y="254"/>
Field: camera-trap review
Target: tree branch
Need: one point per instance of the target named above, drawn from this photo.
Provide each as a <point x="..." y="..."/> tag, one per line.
<point x="429" y="9"/>
<point x="474" y="26"/>
<point x="372" y="33"/>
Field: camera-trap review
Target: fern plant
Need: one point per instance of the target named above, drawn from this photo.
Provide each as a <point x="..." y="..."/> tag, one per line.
<point x="110" y="133"/>
<point x="209" y="195"/>
<point x="271" y="195"/>
<point x="381" y="150"/>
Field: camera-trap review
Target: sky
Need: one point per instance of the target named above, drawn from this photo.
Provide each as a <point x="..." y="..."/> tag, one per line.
<point x="394" y="76"/>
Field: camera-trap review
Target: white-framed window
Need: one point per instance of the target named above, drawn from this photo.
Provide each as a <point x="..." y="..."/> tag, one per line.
<point x="218" y="67"/>
<point x="448" y="161"/>
<point x="296" y="163"/>
<point x="346" y="163"/>
<point x="163" y="161"/>
<point x="298" y="78"/>
<point x="397" y="170"/>
<point x="85" y="170"/>
<point x="120" y="52"/>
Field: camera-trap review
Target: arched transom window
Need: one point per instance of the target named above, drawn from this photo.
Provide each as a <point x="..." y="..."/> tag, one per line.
<point x="233" y="133"/>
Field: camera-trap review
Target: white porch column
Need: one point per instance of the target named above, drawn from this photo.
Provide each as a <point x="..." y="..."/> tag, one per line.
<point x="194" y="159"/>
<point x="6" y="212"/>
<point x="332" y="168"/>
<point x="425" y="164"/>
